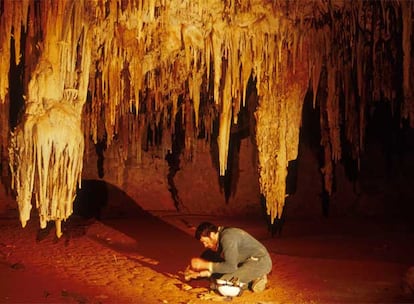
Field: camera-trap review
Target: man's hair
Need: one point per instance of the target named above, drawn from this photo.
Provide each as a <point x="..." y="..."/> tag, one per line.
<point x="204" y="229"/>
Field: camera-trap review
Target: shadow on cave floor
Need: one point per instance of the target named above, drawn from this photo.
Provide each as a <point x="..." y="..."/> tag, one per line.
<point x="155" y="240"/>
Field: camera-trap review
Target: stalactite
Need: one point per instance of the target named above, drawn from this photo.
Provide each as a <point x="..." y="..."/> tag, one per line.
<point x="225" y="124"/>
<point x="316" y="63"/>
<point x="246" y="65"/>
<point x="351" y="115"/>
<point x="5" y="28"/>
<point x="46" y="151"/>
<point x="175" y="50"/>
<point x="332" y="111"/>
<point x="195" y="83"/>
<point x="277" y="133"/>
<point x="235" y="65"/>
<point x="188" y="122"/>
<point x="217" y="38"/>
<point x="327" y="168"/>
<point x="5" y="53"/>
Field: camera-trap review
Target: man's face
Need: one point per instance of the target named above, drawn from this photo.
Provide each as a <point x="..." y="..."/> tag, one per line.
<point x="210" y="241"/>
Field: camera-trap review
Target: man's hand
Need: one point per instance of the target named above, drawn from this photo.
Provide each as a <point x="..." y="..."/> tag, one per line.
<point x="190" y="274"/>
<point x="200" y="264"/>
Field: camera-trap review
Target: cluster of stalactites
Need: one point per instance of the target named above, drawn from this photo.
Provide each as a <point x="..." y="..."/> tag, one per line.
<point x="148" y="55"/>
<point x="158" y="51"/>
<point x="358" y="46"/>
<point x="46" y="158"/>
<point x="151" y="59"/>
<point x="46" y="148"/>
<point x="160" y="56"/>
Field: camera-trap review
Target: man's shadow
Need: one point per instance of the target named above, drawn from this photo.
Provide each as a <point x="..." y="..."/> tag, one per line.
<point x="156" y="244"/>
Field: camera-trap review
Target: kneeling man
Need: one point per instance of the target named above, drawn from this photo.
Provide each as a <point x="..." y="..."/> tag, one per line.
<point x="244" y="262"/>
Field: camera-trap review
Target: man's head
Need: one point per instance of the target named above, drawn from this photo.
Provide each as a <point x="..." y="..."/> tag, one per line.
<point x="207" y="234"/>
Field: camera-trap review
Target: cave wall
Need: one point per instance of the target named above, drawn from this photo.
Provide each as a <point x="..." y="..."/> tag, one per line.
<point x="196" y="187"/>
<point x="381" y="187"/>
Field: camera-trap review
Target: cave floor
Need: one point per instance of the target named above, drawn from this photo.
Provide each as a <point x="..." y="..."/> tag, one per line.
<point x="140" y="259"/>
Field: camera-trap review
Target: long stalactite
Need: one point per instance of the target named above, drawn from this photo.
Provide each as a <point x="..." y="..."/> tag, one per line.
<point x="119" y="68"/>
<point x="46" y="148"/>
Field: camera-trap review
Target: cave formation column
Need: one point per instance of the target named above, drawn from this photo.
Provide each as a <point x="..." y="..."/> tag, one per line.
<point x="46" y="151"/>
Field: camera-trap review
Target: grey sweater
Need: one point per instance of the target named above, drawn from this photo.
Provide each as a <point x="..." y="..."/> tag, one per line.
<point x="237" y="246"/>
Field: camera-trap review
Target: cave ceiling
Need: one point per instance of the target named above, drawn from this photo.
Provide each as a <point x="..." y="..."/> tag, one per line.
<point x="109" y="70"/>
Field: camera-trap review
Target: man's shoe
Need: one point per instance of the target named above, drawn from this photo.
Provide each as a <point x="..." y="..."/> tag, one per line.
<point x="259" y="284"/>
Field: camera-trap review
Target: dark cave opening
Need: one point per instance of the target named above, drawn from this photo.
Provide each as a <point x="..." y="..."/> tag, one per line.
<point x="16" y="82"/>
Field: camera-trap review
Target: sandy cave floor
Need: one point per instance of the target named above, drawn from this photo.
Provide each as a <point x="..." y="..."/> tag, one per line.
<point x="140" y="258"/>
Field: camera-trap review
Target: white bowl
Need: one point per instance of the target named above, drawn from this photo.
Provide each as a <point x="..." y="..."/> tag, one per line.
<point x="228" y="290"/>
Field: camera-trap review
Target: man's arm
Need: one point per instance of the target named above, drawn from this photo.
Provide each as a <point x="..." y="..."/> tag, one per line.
<point x="201" y="264"/>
